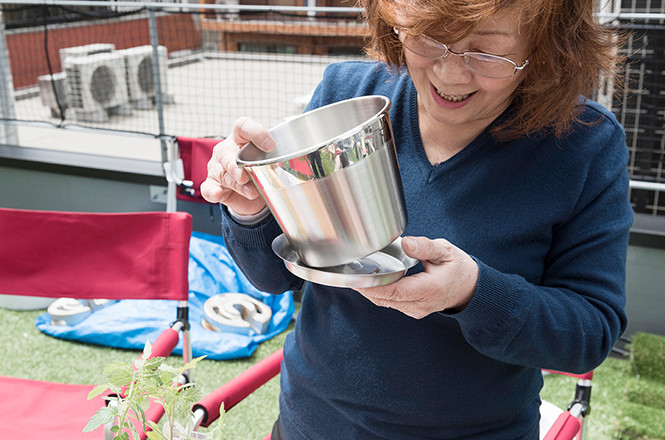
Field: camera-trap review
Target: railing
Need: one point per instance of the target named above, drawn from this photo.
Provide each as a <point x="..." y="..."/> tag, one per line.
<point x="161" y="70"/>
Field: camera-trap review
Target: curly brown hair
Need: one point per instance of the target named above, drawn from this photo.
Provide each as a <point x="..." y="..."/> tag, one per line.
<point x="570" y="52"/>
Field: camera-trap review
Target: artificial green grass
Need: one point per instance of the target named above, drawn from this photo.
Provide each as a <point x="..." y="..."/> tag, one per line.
<point x="646" y="392"/>
<point x="648" y="356"/>
<point x="624" y="407"/>
<point x="642" y="414"/>
<point x="30" y="354"/>
<point x="640" y="422"/>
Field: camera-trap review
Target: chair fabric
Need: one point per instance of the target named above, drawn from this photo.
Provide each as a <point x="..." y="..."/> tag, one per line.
<point x="94" y="255"/>
<point x="22" y="416"/>
<point x="195" y="154"/>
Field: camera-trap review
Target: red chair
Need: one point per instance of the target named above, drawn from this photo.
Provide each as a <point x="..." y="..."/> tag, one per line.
<point x="87" y="256"/>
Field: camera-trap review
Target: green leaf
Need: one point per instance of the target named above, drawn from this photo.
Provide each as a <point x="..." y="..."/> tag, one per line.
<point x="96" y="391"/>
<point x="117" y="367"/>
<point x="152" y="435"/>
<point x="154" y="363"/>
<point x="139" y="363"/>
<point x="140" y="415"/>
<point x="166" y="367"/>
<point x="103" y="416"/>
<point x="165" y="377"/>
<point x="122" y="406"/>
<point x="147" y="349"/>
<point x="119" y="374"/>
<point x="154" y="426"/>
<point x="118" y="391"/>
<point x="144" y="403"/>
<point x="156" y="431"/>
<point x="192" y="364"/>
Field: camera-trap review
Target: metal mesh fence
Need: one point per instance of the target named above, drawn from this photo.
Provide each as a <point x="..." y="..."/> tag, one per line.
<point x="641" y="110"/>
<point x="161" y="72"/>
<point x="644" y="7"/>
<point x="641" y="107"/>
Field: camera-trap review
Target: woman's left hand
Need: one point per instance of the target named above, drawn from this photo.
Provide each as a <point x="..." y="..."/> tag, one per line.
<point x="448" y="282"/>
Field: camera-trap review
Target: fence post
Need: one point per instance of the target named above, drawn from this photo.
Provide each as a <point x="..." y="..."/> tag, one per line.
<point x="167" y="158"/>
<point x="8" y="131"/>
<point x="156" y="76"/>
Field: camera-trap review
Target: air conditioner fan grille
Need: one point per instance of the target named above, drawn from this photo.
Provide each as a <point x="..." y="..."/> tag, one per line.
<point x="103" y="84"/>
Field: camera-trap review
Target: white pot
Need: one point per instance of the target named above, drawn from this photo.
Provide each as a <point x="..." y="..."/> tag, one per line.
<point x="18" y="302"/>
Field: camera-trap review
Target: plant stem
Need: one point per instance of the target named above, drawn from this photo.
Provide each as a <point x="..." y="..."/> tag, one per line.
<point x="134" y="385"/>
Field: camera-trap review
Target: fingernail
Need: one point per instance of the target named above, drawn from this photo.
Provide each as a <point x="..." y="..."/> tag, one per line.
<point x="237" y="174"/>
<point x="410" y="244"/>
<point x="268" y="144"/>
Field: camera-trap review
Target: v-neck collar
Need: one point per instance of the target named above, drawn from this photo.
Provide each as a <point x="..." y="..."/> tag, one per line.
<point x="483" y="139"/>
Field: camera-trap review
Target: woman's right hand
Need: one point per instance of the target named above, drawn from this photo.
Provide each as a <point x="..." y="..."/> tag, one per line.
<point x="229" y="184"/>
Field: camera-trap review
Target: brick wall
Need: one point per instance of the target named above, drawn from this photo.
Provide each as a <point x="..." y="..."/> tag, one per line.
<point x="28" y="54"/>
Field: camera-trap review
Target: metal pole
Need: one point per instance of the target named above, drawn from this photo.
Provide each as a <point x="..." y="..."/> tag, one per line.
<point x="8" y="132"/>
<point x="157" y="79"/>
<point x="177" y="6"/>
<point x="650" y="186"/>
<point x="166" y="148"/>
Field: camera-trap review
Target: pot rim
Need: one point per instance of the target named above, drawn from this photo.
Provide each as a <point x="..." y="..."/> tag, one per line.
<point x="286" y="157"/>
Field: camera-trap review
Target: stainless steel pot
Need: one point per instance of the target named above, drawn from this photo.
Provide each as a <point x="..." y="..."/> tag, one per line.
<point x="333" y="181"/>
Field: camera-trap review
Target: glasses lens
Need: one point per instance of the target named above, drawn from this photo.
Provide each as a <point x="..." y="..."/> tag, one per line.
<point x="491" y="66"/>
<point x="488" y="65"/>
<point x="424" y="46"/>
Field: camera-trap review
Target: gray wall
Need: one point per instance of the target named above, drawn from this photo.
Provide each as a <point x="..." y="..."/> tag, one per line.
<point x="113" y="185"/>
<point x="645" y="287"/>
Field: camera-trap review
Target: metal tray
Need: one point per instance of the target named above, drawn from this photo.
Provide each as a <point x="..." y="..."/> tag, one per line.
<point x="383" y="267"/>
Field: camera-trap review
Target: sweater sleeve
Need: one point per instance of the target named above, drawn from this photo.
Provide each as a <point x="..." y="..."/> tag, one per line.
<point x="251" y="249"/>
<point x="571" y="319"/>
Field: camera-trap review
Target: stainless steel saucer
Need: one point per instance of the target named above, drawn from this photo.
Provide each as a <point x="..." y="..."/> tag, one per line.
<point x="382" y="267"/>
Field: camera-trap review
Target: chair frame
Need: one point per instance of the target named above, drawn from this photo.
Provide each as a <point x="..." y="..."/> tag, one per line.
<point x="570" y="424"/>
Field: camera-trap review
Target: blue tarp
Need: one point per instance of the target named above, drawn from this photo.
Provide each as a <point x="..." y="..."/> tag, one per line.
<point x="129" y="323"/>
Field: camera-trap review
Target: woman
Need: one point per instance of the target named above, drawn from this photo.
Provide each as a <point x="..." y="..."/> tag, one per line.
<point x="516" y="190"/>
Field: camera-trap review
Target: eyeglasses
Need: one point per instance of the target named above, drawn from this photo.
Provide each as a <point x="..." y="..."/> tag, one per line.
<point x="485" y="64"/>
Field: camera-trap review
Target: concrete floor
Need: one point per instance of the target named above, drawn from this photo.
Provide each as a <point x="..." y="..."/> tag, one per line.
<point x="208" y="94"/>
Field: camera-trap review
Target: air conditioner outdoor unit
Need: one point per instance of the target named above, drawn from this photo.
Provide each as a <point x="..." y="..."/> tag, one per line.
<point x="84" y="51"/>
<point x="96" y="83"/>
<point x="53" y="93"/>
<point x="140" y="75"/>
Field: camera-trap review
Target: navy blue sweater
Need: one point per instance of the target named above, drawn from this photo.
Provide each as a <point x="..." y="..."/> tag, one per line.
<point x="546" y="219"/>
